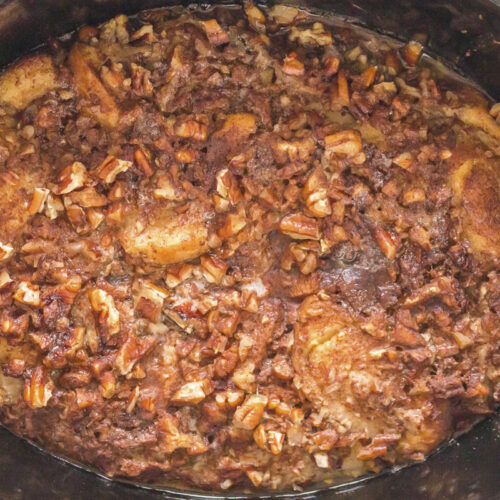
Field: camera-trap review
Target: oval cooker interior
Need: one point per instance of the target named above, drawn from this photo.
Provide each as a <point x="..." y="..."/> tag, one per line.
<point x="463" y="33"/>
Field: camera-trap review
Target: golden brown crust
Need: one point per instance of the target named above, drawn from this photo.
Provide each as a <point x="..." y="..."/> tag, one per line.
<point x="27" y="80"/>
<point x="83" y="62"/>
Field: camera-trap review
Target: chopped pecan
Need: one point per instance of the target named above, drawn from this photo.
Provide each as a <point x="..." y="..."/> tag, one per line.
<point x="317" y="35"/>
<point x="388" y="242"/>
<point x="133" y="349"/>
<point x="275" y="440"/>
<point x="241" y="124"/>
<point x="256" y="18"/>
<point x="404" y="160"/>
<point x="231" y="397"/>
<point x="174" y="439"/>
<point x="185" y="155"/>
<point x="143" y="163"/>
<point x="72" y="177"/>
<point x="28" y="294"/>
<point x="88" y="197"/>
<point x="141" y="83"/>
<point x="346" y="143"/>
<point x="5" y="279"/>
<point x="227" y="186"/>
<point x="215" y="34"/>
<point x="234" y="223"/>
<point x="192" y="393"/>
<point x="420" y="236"/>
<point x="322" y="460"/>
<point x="167" y="189"/>
<point x="226" y="324"/>
<point x="110" y="168"/>
<point x="78" y="218"/>
<point x="132" y="400"/>
<point x="300" y="227"/>
<point x="6" y="251"/>
<point x="144" y="33"/>
<point x="149" y="300"/>
<point x="104" y="304"/>
<point x="226" y="362"/>
<point x="214" y="268"/>
<point x="340" y="93"/>
<point x="443" y="287"/>
<point x="368" y="76"/>
<point x="415" y="195"/>
<point x="75" y="378"/>
<point x="108" y="384"/>
<point x="325" y="440"/>
<point x="117" y="191"/>
<point x="37" y="204"/>
<point x="295" y="150"/>
<point x="53" y="206"/>
<point x="407" y="337"/>
<point x="248" y="414"/>
<point x="190" y="128"/>
<point x="379" y="446"/>
<point x="411" y="52"/>
<point x="95" y="217"/>
<point x="292" y="65"/>
<point x="85" y="398"/>
<point x="255" y="476"/>
<point x="38" y="389"/>
<point x="331" y="64"/>
<point x="314" y="193"/>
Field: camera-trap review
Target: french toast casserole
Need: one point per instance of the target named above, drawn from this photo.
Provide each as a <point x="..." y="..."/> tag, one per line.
<point x="245" y="248"/>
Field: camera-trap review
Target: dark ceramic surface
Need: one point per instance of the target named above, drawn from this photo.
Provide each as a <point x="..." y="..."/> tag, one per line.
<point x="466" y="33"/>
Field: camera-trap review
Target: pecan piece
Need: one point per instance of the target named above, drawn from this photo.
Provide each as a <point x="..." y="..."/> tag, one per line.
<point x="5" y="279"/>
<point x="411" y="52"/>
<point x="104" y="304"/>
<point x="314" y="193"/>
<point x="275" y="440"/>
<point x="317" y="35"/>
<point x="241" y="124"/>
<point x="300" y="227"/>
<point x="190" y="128"/>
<point x="346" y="143"/>
<point x="415" y="195"/>
<point x="214" y="268"/>
<point x="6" y="252"/>
<point x="28" y="294"/>
<point x="131" y="351"/>
<point x="292" y="65"/>
<point x="40" y="196"/>
<point x="215" y="34"/>
<point x="388" y="242"/>
<point x="88" y="198"/>
<point x="256" y="18"/>
<point x="248" y="414"/>
<point x="143" y="163"/>
<point x="72" y="177"/>
<point x="192" y="393"/>
<point x="110" y="168"/>
<point x="38" y="390"/>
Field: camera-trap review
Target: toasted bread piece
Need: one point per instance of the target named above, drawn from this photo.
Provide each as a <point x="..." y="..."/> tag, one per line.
<point x="166" y="238"/>
<point x="100" y="105"/>
<point x="476" y="193"/>
<point x="28" y="80"/>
